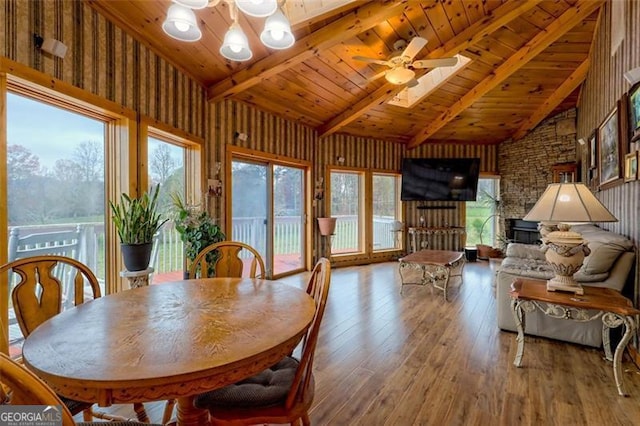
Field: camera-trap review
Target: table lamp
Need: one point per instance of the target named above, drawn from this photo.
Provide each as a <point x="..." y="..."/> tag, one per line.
<point x="565" y="250"/>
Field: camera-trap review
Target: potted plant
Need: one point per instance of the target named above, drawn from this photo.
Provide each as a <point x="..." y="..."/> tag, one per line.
<point x="137" y="221"/>
<point x="486" y="251"/>
<point x="327" y="225"/>
<point x="197" y="230"/>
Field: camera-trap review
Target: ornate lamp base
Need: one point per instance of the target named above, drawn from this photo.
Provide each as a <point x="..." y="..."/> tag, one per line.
<point x="564" y="283"/>
<point x="565" y="252"/>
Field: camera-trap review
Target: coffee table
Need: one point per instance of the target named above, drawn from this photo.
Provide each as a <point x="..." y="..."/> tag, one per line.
<point x="435" y="266"/>
<point x="609" y="305"/>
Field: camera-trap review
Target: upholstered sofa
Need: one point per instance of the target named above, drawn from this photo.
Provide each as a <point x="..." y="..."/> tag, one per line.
<point x="611" y="259"/>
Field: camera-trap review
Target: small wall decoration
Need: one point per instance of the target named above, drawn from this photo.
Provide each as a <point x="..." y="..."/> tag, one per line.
<point x="593" y="150"/>
<point x="634" y="112"/>
<point x="609" y="150"/>
<point x="631" y="167"/>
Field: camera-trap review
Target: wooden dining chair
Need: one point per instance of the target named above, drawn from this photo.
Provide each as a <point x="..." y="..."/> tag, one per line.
<point x="220" y="259"/>
<point x="39" y="295"/>
<point x="223" y="260"/>
<point x="22" y="387"/>
<point x="282" y="393"/>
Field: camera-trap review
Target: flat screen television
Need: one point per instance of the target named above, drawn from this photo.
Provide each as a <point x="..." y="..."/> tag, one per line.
<point x="439" y="179"/>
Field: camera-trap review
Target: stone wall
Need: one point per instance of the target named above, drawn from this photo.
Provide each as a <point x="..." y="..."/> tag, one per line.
<point x="525" y="165"/>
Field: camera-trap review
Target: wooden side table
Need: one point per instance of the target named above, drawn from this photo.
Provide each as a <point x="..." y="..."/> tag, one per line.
<point x="137" y="278"/>
<point x="611" y="307"/>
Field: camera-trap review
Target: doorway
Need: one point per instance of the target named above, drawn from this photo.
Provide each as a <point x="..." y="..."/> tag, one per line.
<point x="268" y="212"/>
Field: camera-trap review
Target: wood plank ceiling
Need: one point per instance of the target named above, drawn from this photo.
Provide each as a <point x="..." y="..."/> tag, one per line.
<point x="528" y="60"/>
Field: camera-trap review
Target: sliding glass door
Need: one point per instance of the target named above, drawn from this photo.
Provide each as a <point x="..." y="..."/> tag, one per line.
<point x="267" y="212"/>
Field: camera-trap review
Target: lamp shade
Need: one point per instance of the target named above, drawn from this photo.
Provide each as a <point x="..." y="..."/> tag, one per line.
<point x="235" y="45"/>
<point x="193" y="4"/>
<point x="257" y="8"/>
<point x="277" y="32"/>
<point x="181" y="24"/>
<point x="569" y="202"/>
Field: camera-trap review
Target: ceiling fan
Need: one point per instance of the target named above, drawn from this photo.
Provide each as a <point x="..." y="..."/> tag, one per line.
<point x="402" y="65"/>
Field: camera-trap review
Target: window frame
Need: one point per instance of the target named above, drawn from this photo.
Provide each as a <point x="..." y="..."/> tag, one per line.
<point x="365" y="209"/>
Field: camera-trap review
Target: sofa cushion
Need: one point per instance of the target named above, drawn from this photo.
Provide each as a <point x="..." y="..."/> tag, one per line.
<point x="525" y="251"/>
<point x="603" y="255"/>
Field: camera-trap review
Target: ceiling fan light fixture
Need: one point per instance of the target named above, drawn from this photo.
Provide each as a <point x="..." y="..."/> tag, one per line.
<point x="257" y="8"/>
<point x="236" y="45"/>
<point x="181" y="24"/>
<point x="277" y="32"/>
<point x="399" y="75"/>
<point x="193" y="4"/>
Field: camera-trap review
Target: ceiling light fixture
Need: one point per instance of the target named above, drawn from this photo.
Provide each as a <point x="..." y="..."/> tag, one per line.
<point x="257" y="8"/>
<point x="399" y="75"/>
<point x="235" y="45"/>
<point x="277" y="32"/>
<point x="193" y="4"/>
<point x="181" y="24"/>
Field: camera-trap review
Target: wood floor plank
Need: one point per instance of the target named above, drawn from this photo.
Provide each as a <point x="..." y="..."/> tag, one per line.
<point x="386" y="358"/>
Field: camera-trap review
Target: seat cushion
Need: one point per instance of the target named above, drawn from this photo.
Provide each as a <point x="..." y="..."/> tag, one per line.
<point x="74" y="406"/>
<point x="267" y="388"/>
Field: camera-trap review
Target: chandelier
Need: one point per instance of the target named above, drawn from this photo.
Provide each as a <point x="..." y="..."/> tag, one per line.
<point x="181" y="24"/>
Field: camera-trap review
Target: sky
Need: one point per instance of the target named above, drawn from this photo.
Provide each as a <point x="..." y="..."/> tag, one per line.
<point x="52" y="133"/>
<point x="49" y="132"/>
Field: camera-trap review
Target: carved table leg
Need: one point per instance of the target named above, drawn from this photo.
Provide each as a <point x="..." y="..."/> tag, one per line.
<point x="629" y="330"/>
<point x="188" y="415"/>
<point x="516" y="307"/>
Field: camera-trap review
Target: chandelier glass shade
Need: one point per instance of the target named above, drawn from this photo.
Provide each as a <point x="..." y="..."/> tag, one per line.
<point x="277" y="32"/>
<point x="193" y="4"/>
<point x="235" y="45"/>
<point x="181" y="24"/>
<point x="257" y="8"/>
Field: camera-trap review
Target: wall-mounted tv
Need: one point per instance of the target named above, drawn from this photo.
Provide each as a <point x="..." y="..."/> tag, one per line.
<point x="440" y="179"/>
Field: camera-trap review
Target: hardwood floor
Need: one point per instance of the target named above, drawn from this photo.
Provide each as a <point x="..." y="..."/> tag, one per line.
<point x="389" y="359"/>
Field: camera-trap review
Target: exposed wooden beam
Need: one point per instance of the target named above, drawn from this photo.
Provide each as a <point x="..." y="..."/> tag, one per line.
<point x="470" y="36"/>
<point x="565" y="89"/>
<point x="531" y="49"/>
<point x="360" y="20"/>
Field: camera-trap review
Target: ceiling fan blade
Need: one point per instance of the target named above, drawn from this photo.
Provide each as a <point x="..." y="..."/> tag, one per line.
<point x="415" y="46"/>
<point x="371" y="60"/>
<point x="412" y="83"/>
<point x="377" y="76"/>
<point x="433" y="63"/>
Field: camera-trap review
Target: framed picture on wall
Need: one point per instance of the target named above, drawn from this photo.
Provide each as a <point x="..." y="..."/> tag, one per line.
<point x="634" y="112"/>
<point x="593" y="150"/>
<point x="631" y="167"/>
<point x="609" y="149"/>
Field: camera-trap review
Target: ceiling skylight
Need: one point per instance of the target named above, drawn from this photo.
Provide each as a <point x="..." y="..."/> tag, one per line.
<point x="409" y="96"/>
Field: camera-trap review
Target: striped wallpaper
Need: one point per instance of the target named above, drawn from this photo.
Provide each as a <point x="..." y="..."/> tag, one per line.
<point x="605" y="84"/>
<point x="278" y="136"/>
<point x="101" y="59"/>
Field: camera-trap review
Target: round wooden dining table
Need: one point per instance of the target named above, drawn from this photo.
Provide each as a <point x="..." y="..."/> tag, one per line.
<point x="172" y="340"/>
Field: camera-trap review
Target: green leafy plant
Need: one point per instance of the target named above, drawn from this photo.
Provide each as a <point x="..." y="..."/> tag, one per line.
<point x="196" y="228"/>
<point x="137" y="219"/>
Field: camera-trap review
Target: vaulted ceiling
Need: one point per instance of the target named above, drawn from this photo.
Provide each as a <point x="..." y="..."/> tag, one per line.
<point x="528" y="60"/>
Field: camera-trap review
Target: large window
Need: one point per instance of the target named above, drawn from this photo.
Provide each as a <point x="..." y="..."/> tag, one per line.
<point x="483" y="215"/>
<point x="365" y="223"/>
<point x="386" y="212"/>
<point x="55" y="181"/>
<point x="166" y="162"/>
<point x="347" y="206"/>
